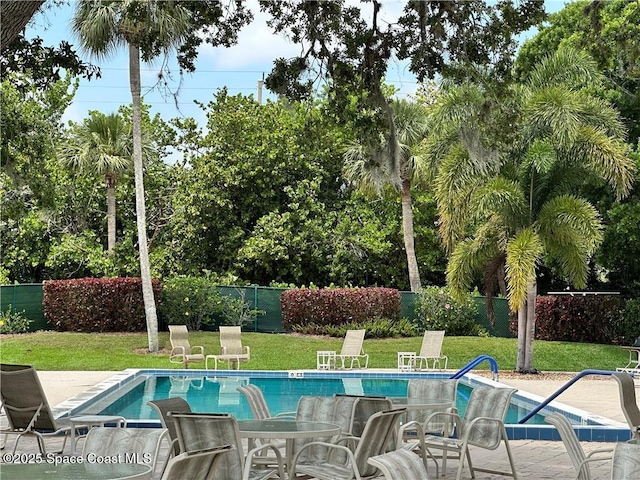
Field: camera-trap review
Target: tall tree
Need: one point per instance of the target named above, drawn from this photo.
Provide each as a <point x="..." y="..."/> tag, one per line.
<point x="148" y="28"/>
<point x="507" y="204"/>
<point x="374" y="166"/>
<point x="101" y="144"/>
<point x="14" y="16"/>
<point x="351" y="46"/>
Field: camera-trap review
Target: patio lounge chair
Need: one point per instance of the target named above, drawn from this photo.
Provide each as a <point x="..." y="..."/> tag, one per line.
<point x="482" y="427"/>
<point x="626" y="386"/>
<point x="574" y="449"/>
<point x="380" y="429"/>
<point x="626" y="462"/>
<point x="231" y="348"/>
<point x="400" y="464"/>
<point x="162" y="408"/>
<point x="352" y="349"/>
<point x="431" y="350"/>
<point x="181" y="350"/>
<point x="201" y="465"/>
<point x="139" y="444"/>
<point x="198" y="431"/>
<point x="26" y="408"/>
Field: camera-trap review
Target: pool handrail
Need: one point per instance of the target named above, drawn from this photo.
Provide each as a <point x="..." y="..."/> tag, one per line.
<point x="473" y="363"/>
<point x="551" y="397"/>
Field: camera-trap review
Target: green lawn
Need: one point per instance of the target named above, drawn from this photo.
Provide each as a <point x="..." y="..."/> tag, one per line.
<point x="94" y="351"/>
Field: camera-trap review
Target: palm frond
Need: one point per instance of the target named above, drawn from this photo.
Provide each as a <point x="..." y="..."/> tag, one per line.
<point x="541" y="156"/>
<point x="455" y="106"/>
<point x="502" y="197"/>
<point x="465" y="260"/>
<point x="571" y="230"/>
<point x="608" y="157"/>
<point x="96" y="26"/>
<point x="554" y="113"/>
<point x="524" y="252"/>
<point x="454" y="184"/>
<point x="566" y="66"/>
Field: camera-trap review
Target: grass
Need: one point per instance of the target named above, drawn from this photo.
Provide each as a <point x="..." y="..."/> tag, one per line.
<point x="48" y="350"/>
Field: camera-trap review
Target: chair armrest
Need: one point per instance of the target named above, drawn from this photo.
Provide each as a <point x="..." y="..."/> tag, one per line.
<point x="451" y="419"/>
<point x="285" y="415"/>
<point x="590" y="458"/>
<point x="247" y="350"/>
<point x="251" y="453"/>
<point x="198" y="347"/>
<point x="177" y="353"/>
<point x="331" y="446"/>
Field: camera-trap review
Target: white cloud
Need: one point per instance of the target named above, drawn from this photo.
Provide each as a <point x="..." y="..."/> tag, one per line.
<point x="256" y="49"/>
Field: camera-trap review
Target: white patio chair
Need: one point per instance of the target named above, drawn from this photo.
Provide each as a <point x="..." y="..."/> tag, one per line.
<point x="352" y="350"/>
<point x="431" y="350"/>
<point x="574" y="449"/>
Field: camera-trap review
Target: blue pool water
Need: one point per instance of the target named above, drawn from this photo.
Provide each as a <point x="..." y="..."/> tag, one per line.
<point x="219" y="394"/>
<point x="128" y="392"/>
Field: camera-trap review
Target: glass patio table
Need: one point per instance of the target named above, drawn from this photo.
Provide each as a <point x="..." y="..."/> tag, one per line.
<point x="75" y="471"/>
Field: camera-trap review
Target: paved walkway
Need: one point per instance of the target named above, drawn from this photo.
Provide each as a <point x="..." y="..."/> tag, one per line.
<point x="534" y="459"/>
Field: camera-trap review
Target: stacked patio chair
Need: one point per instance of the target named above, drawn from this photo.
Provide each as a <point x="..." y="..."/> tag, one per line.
<point x="627" y="388"/>
<point x="578" y="458"/>
<point x="163" y="407"/>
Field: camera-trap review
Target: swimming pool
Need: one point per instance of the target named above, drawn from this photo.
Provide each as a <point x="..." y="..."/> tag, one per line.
<point x="126" y="394"/>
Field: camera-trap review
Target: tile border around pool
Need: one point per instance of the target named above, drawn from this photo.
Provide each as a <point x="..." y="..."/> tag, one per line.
<point x="591" y="427"/>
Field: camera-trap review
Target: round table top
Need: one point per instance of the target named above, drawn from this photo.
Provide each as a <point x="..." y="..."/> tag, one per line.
<point x="75" y="471"/>
<point x="407" y="401"/>
<point x="96" y="419"/>
<point x="286" y="429"/>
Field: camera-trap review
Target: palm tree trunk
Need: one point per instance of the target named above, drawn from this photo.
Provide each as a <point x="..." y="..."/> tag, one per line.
<point x="409" y="245"/>
<point x="532" y="291"/>
<point x="111" y="214"/>
<point x="145" y="269"/>
<point x="522" y="329"/>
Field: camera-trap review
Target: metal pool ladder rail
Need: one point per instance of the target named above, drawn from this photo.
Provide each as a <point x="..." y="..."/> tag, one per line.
<point x="551" y="397"/>
<point x="473" y="363"/>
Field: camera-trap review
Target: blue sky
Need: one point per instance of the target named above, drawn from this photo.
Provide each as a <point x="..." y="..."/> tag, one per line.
<point x="239" y="68"/>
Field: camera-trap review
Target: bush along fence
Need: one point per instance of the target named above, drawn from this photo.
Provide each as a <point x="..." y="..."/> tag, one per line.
<point x="260" y="309"/>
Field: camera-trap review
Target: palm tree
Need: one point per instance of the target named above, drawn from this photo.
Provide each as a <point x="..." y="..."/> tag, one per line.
<point x="372" y="165"/>
<point x="100" y="145"/>
<point x="149" y="28"/>
<point x="508" y="204"/>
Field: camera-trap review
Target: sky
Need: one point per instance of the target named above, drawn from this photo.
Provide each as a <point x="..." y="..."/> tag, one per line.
<point x="238" y="68"/>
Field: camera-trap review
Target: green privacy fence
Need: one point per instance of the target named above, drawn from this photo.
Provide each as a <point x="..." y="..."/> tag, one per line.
<point x="26" y="298"/>
<point x="266" y="300"/>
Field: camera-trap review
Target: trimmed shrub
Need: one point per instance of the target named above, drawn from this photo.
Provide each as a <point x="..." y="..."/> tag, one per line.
<point x="191" y="301"/>
<point x="13" y="322"/>
<point x="630" y="325"/>
<point x="97" y="304"/>
<point x="587" y="319"/>
<point x="437" y="310"/>
<point x="338" y="306"/>
<point x="378" y="328"/>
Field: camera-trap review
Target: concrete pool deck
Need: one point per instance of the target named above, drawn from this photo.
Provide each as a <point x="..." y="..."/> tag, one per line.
<point x="534" y="459"/>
